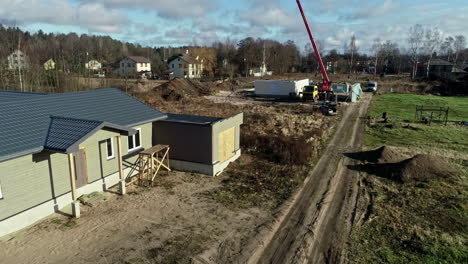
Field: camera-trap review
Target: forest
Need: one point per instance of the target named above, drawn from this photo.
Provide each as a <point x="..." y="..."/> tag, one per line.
<point x="228" y="58"/>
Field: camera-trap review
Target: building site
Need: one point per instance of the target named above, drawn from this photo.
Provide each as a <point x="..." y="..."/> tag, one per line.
<point x="283" y="131"/>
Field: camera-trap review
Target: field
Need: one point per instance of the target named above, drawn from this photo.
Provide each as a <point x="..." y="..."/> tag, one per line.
<point x="420" y="221"/>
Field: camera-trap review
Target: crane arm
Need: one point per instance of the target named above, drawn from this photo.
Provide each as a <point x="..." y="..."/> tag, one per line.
<point x="326" y="81"/>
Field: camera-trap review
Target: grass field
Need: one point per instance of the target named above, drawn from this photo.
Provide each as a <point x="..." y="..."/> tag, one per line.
<point x="407" y="133"/>
<point x="420" y="222"/>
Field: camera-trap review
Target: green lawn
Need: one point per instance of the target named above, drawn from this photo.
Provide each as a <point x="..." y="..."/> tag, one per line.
<point x="421" y="222"/>
<point x="407" y="133"/>
<point x="403" y="106"/>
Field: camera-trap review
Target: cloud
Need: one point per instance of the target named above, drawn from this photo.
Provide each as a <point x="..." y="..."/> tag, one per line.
<point x="372" y="11"/>
<point x="91" y="16"/>
<point x="164" y="8"/>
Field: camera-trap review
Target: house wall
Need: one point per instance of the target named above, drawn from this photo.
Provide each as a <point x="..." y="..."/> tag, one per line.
<point x="31" y="181"/>
<point x="141" y="67"/>
<point x="182" y="69"/>
<point x="223" y="125"/>
<point x="188" y="142"/>
<point x="128" y="67"/>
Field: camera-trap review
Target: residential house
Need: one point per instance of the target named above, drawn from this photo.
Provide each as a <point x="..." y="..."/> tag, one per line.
<point x="438" y="68"/>
<point x="185" y="66"/>
<point x="93" y="65"/>
<point x="134" y="66"/>
<point x="18" y="60"/>
<point x="49" y="65"/>
<point x="57" y="147"/>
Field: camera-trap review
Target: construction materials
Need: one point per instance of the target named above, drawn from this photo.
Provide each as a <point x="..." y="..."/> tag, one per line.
<point x="278" y="89"/>
<point x="150" y="162"/>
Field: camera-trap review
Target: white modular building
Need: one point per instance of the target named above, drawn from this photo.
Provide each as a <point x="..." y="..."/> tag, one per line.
<point x="272" y="88"/>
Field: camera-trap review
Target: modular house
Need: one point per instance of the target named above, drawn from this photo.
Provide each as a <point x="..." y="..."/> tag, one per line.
<point x="199" y="143"/>
<point x="57" y="147"/>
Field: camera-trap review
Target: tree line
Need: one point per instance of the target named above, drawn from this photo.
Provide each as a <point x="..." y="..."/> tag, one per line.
<point x="227" y="58"/>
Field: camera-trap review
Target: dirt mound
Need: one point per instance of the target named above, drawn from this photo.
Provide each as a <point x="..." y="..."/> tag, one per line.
<point x="178" y="89"/>
<point x="383" y="154"/>
<point x="421" y="167"/>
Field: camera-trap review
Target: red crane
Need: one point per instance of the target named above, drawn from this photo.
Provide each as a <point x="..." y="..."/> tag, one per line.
<point x="326" y="84"/>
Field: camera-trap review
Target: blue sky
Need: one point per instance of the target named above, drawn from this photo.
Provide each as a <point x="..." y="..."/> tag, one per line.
<point x="190" y="22"/>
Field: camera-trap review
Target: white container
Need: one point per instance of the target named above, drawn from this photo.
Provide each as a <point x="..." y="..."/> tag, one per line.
<point x="269" y="88"/>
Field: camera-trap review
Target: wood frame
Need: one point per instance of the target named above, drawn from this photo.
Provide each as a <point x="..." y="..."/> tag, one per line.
<point x="150" y="162"/>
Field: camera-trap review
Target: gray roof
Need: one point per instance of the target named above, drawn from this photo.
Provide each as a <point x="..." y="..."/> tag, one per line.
<point x="191" y="119"/>
<point x="139" y="59"/>
<point x="440" y="62"/>
<point x="185" y="57"/>
<point x="27" y="121"/>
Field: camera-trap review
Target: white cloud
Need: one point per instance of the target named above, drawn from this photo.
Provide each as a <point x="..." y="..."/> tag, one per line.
<point x="92" y="16"/>
<point x="165" y="8"/>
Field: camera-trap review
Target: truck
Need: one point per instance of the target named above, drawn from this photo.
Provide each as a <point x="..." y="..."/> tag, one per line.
<point x="372" y="86"/>
<point x="280" y="89"/>
<point x="311" y="92"/>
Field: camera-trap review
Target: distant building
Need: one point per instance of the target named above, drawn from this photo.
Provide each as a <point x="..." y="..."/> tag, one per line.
<point x="134" y="66"/>
<point x="93" y="65"/>
<point x="438" y="68"/>
<point x="18" y="60"/>
<point x="185" y="66"/>
<point x="49" y="65"/>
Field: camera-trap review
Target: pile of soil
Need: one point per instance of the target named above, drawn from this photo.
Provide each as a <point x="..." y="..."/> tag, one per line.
<point x="420" y="168"/>
<point x="424" y="168"/>
<point x="178" y="89"/>
<point x="383" y="154"/>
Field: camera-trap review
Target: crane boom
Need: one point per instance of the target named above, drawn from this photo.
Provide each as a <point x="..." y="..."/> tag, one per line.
<point x="326" y="81"/>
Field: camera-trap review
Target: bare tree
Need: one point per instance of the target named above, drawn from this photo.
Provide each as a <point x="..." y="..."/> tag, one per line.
<point x="415" y="39"/>
<point x="458" y="45"/>
<point x="447" y="47"/>
<point x="377" y="52"/>
<point x="432" y="41"/>
<point x="351" y="51"/>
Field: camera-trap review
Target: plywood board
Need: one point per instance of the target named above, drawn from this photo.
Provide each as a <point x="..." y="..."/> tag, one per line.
<point x="81" y="168"/>
<point x="226" y="144"/>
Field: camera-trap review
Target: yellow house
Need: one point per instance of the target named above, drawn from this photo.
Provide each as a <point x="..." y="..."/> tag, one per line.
<point x="49" y="65"/>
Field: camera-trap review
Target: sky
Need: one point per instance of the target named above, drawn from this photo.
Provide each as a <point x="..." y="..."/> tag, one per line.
<point x="201" y="22"/>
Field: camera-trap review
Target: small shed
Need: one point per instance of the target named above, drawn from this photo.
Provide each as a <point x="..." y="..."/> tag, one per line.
<point x="199" y="143"/>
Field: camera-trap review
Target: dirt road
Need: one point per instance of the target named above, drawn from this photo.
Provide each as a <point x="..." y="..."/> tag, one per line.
<point x="314" y="227"/>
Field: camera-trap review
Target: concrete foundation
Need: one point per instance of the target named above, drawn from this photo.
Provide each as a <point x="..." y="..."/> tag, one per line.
<point x="212" y="170"/>
<point x="76" y="209"/>
<point x="122" y="187"/>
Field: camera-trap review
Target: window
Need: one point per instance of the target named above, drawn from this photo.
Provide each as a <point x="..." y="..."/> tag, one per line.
<point x="134" y="141"/>
<point x="1" y="194"/>
<point x="110" y="148"/>
<point x="128" y="65"/>
<point x="172" y="65"/>
<point x="123" y="64"/>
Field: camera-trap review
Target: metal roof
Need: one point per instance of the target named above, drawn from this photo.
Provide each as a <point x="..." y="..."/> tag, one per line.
<point x="64" y="132"/>
<point x="25" y="122"/>
<point x="192" y="119"/>
<point x="139" y="59"/>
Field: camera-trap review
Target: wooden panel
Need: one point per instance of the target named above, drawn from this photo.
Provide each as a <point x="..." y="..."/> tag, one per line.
<point x="81" y="168"/>
<point x="226" y="144"/>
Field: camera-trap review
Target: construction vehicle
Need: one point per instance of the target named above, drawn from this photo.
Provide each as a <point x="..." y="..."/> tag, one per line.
<point x="328" y="108"/>
<point x="310" y="93"/>
<point x="325" y="89"/>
